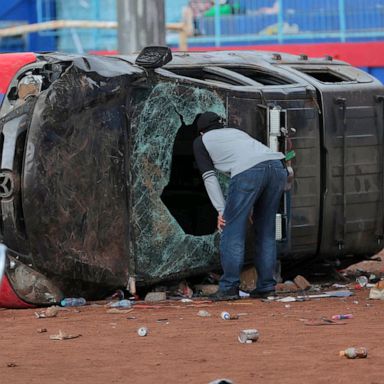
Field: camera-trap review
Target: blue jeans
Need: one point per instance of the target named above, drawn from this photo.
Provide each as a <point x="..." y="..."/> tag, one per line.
<point x="260" y="188"/>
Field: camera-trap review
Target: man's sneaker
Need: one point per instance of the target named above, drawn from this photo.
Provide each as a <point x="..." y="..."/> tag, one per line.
<point x="255" y="294"/>
<point x="230" y="294"/>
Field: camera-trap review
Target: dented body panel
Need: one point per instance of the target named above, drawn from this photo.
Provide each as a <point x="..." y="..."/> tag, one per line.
<point x="103" y="185"/>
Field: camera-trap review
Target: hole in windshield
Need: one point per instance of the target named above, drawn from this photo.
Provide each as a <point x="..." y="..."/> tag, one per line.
<point x="185" y="195"/>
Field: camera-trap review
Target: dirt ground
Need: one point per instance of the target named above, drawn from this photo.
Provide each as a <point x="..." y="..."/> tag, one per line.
<point x="182" y="347"/>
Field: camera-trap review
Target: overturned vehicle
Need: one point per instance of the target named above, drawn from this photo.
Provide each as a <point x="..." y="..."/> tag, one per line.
<point x="99" y="188"/>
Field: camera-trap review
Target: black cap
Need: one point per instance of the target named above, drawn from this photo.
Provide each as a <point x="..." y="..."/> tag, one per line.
<point x="208" y="121"/>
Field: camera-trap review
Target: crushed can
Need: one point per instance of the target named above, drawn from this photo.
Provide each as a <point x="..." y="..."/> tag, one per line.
<point x="227" y="316"/>
<point x="142" y="331"/>
<point x="248" y="336"/>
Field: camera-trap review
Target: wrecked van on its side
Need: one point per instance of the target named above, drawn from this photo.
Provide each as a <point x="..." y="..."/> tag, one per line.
<point x="98" y="185"/>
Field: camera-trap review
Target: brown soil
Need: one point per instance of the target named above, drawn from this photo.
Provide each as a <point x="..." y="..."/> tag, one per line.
<point x="182" y="347"/>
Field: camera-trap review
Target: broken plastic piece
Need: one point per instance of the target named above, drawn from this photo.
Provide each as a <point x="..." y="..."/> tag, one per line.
<point x="63" y="336"/>
<point x="203" y="313"/>
<point x="49" y="312"/>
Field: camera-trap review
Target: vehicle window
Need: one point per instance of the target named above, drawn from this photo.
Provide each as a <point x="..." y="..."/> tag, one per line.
<point x="260" y="76"/>
<point x="325" y="76"/>
<point x="200" y="74"/>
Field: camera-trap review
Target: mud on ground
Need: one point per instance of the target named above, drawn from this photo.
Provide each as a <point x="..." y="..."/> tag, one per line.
<point x="182" y="347"/>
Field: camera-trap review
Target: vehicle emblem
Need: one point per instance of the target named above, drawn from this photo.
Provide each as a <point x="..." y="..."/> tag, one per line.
<point x="6" y="184"/>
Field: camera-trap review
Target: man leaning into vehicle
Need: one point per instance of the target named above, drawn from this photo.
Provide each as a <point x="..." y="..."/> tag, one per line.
<point x="258" y="177"/>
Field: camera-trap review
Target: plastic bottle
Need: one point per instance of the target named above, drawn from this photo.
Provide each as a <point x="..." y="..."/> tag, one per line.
<point x="342" y="317"/>
<point x="73" y="302"/>
<point x="355" y="353"/>
<point x="121" y="304"/>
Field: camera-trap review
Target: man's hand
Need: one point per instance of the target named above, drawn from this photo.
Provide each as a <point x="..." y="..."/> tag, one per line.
<point x="220" y="222"/>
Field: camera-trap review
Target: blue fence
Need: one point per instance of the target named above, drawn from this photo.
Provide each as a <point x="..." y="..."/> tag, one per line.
<point x="290" y="21"/>
<point x="82" y="40"/>
<point x="249" y="22"/>
<point x="17" y="12"/>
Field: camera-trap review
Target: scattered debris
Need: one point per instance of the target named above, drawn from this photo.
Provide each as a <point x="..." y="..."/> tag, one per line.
<point x="41" y="330"/>
<point x="299" y="283"/>
<point x="287" y="299"/>
<point x="162" y="321"/>
<point x="374" y="266"/>
<point x="206" y="289"/>
<point x="302" y="283"/>
<point x="227" y="316"/>
<point x="186" y="300"/>
<point x="49" y="312"/>
<point x="155" y="296"/>
<point x="73" y="302"/>
<point x="120" y="304"/>
<point x="345" y="293"/>
<point x="342" y="317"/>
<point x="376" y="294"/>
<point x="119" y="311"/>
<point x="203" y="313"/>
<point x="287" y="286"/>
<point x="63" y="336"/>
<point x="321" y="321"/>
<point x="361" y="282"/>
<point x="184" y="290"/>
<point x="338" y="286"/>
<point x="142" y="331"/>
<point x="354" y="353"/>
<point x="248" y="336"/>
<point x="377" y="291"/>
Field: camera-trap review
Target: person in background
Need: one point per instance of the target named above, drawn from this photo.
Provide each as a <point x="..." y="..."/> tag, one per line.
<point x="258" y="177"/>
<point x="226" y="7"/>
<point x="195" y="10"/>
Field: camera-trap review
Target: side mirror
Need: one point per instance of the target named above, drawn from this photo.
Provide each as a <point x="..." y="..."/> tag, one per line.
<point x="3" y="256"/>
<point x="154" y="57"/>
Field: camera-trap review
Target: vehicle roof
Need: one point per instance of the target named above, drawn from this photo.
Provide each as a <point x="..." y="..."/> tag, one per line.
<point x="253" y="57"/>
